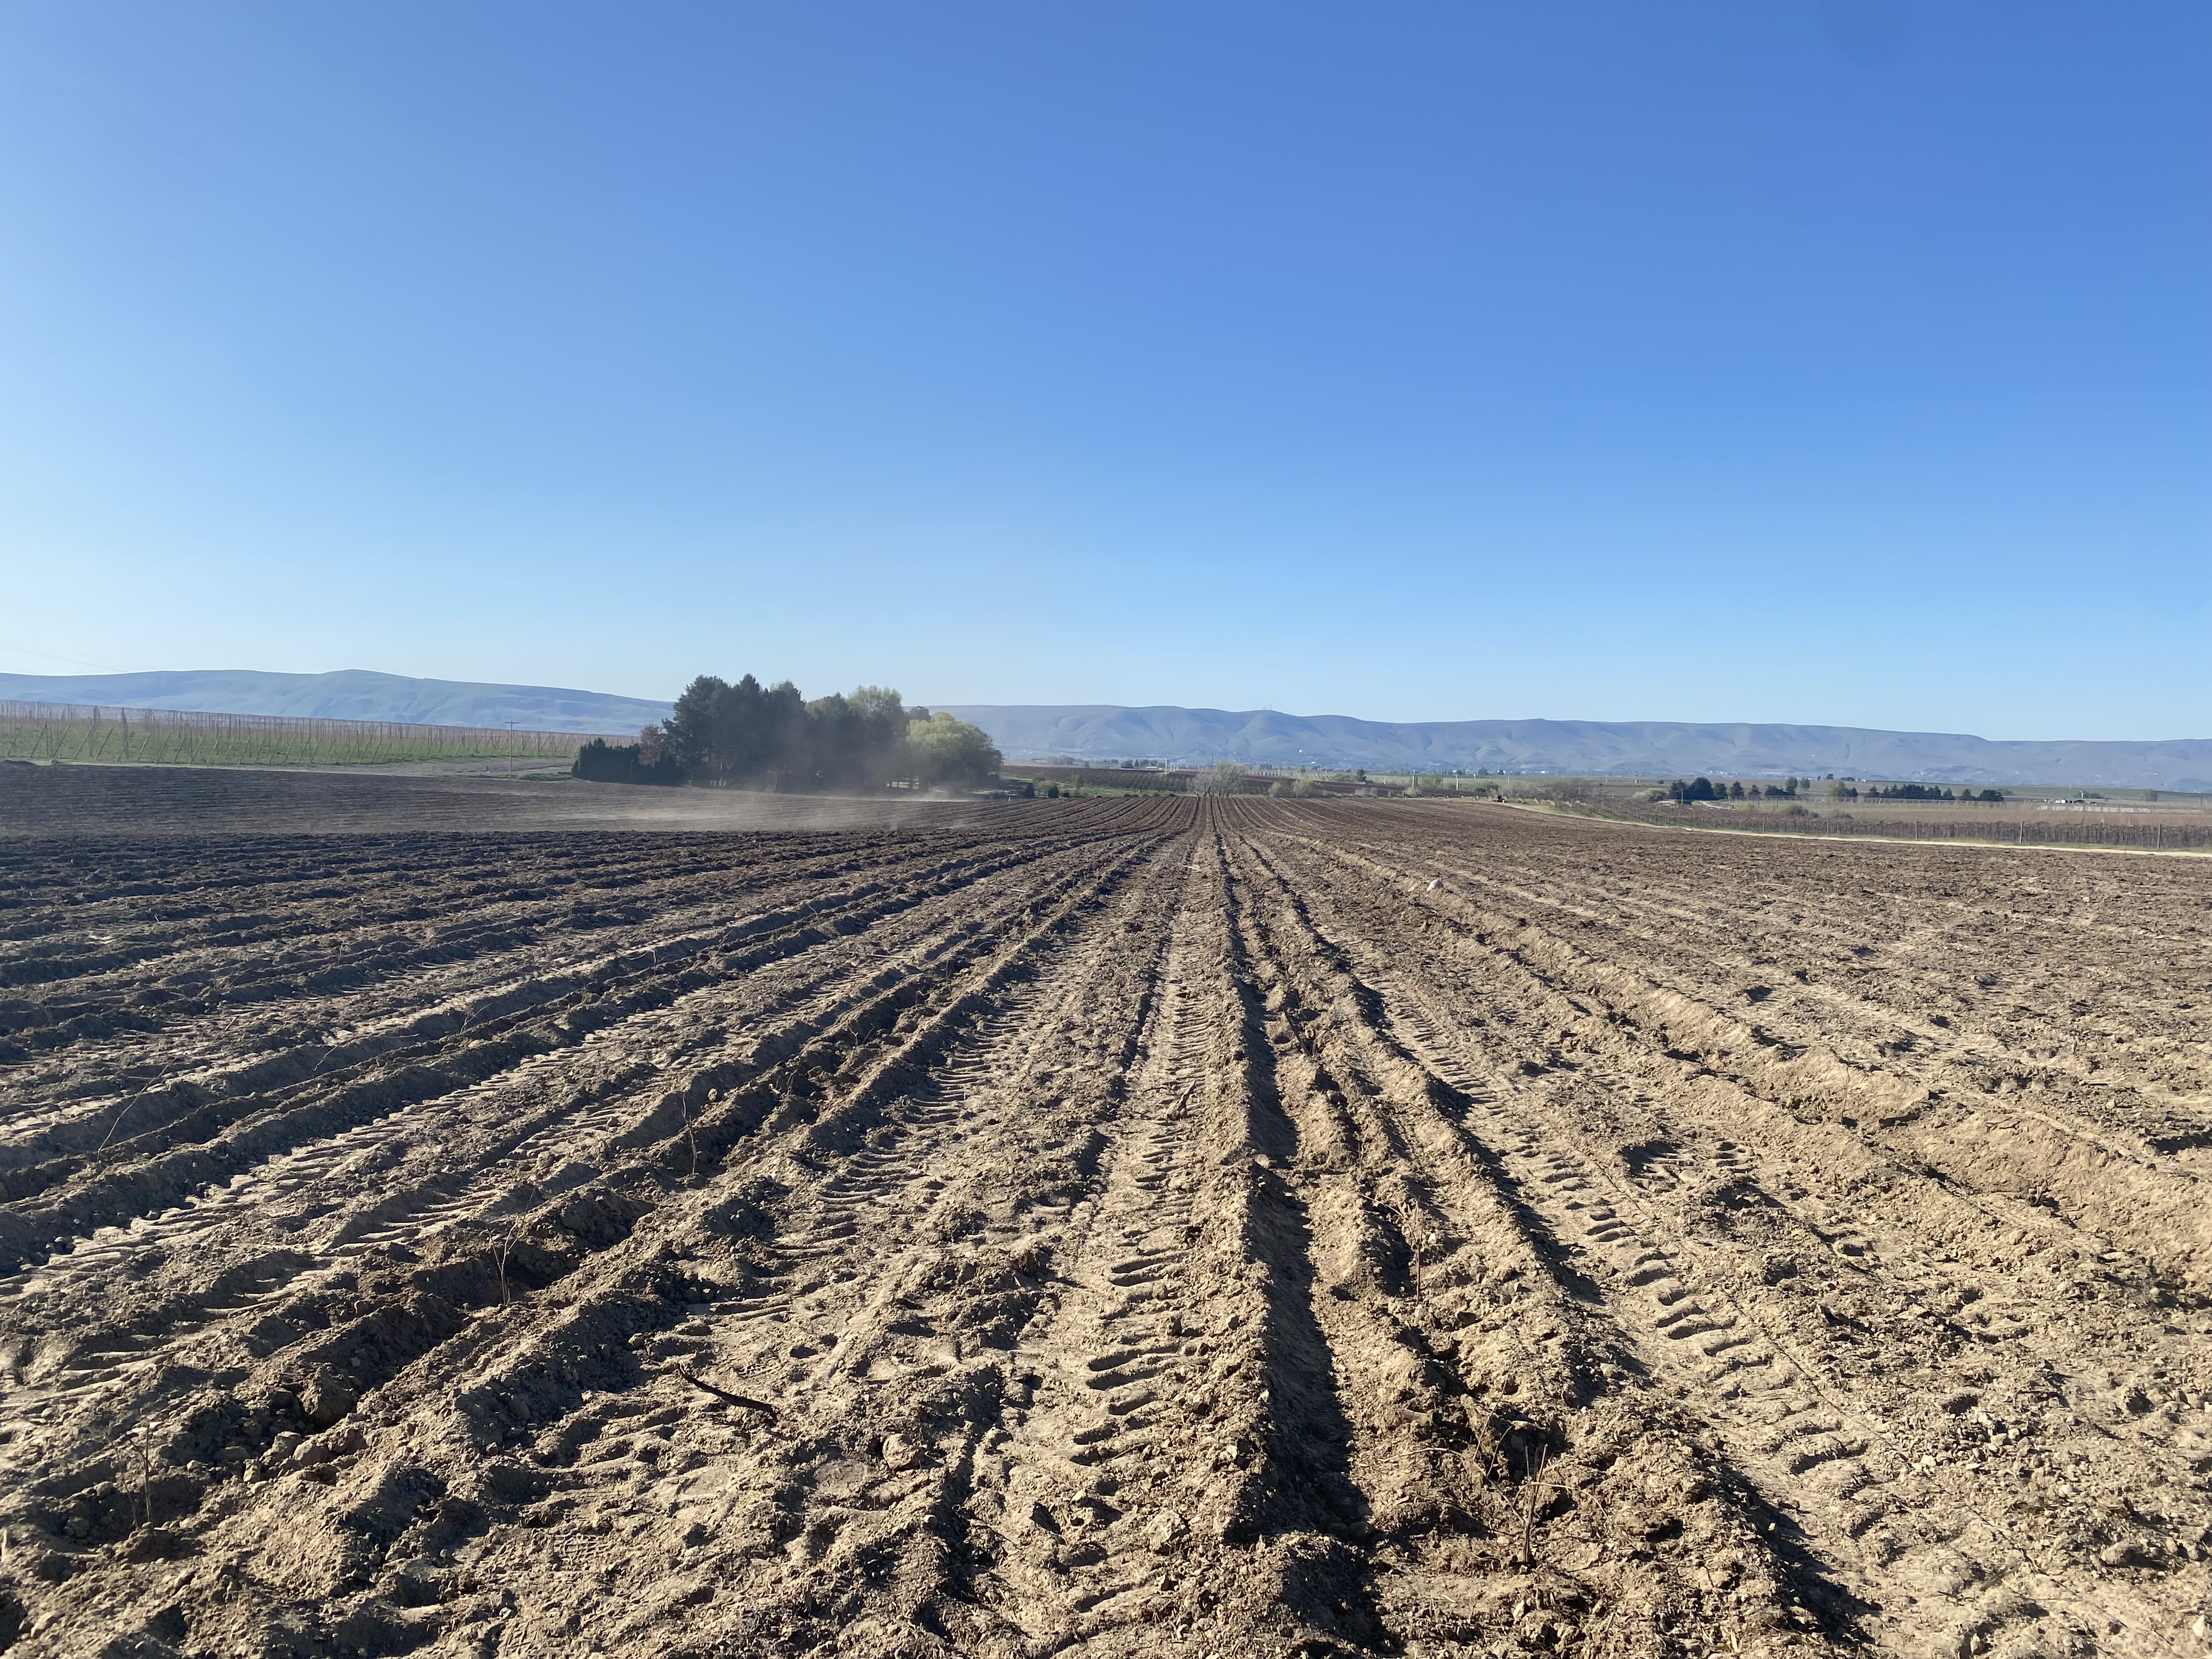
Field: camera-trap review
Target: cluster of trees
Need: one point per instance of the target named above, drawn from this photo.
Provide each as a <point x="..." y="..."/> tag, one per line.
<point x="1699" y="789"/>
<point x="1916" y="792"/>
<point x="747" y="736"/>
<point x="1706" y="789"/>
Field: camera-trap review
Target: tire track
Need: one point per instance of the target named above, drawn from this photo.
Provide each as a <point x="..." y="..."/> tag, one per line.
<point x="1084" y="1489"/>
<point x="483" y="981"/>
<point x="844" y="1243"/>
<point x="830" y="1000"/>
<point x="564" y="1008"/>
<point x="1504" y="1428"/>
<point x="1146" y="1227"/>
<point x="1905" y="1537"/>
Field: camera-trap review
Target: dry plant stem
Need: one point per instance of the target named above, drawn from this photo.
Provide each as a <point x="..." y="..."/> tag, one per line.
<point x="507" y="1241"/>
<point x="120" y="1113"/>
<point x="142" y="1501"/>
<point x="1533" y="1490"/>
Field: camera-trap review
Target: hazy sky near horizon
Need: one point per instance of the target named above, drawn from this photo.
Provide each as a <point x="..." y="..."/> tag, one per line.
<point x="1825" y="360"/>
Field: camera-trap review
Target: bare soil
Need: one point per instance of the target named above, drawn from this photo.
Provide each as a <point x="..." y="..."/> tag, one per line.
<point x="83" y="802"/>
<point x="1127" y="1227"/>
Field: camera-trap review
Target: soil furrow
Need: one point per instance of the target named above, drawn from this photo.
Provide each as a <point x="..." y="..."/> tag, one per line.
<point x="375" y="1147"/>
<point x="1510" y="1444"/>
<point x="1120" y="1227"/>
<point x="1973" y="1557"/>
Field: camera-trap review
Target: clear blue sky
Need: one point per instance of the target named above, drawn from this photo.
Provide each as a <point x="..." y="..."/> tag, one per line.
<point x="1836" y="361"/>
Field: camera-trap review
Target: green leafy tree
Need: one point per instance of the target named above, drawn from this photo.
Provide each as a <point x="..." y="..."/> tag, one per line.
<point x="855" y="741"/>
<point x="947" y="751"/>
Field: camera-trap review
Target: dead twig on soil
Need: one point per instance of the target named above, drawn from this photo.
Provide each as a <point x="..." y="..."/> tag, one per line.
<point x="142" y="1501"/>
<point x="725" y="1396"/>
<point x="506" y="1250"/>
<point x="1534" y="1487"/>
<point x="123" y="1112"/>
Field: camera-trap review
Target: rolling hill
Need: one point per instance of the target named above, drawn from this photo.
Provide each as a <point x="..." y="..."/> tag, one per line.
<point x="1264" y="738"/>
<point x="1590" y="748"/>
<point x="349" y="693"/>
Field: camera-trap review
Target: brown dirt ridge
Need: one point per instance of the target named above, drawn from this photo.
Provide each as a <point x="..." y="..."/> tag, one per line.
<point x="1116" y="1227"/>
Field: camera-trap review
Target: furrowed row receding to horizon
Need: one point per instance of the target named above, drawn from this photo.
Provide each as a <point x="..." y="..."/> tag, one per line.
<point x="1138" y="1225"/>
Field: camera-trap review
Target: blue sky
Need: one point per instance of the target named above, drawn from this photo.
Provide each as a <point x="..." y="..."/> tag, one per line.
<point x="1835" y="361"/>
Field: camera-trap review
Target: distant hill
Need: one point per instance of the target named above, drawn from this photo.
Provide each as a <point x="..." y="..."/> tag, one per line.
<point x="1102" y="732"/>
<point x="1096" y="731"/>
<point x="350" y="694"/>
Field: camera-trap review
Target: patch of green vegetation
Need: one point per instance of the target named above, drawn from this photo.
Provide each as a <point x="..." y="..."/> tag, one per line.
<point x="168" y="737"/>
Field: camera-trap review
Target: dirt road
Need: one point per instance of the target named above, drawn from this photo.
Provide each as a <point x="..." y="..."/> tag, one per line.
<point x="1120" y="1227"/>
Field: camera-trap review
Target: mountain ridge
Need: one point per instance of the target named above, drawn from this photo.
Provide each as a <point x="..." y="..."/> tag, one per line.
<point x="1265" y="738"/>
<point x="348" y="694"/>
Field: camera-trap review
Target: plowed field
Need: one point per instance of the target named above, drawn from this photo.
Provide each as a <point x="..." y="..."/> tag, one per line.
<point x="1128" y="1227"/>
